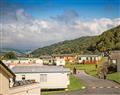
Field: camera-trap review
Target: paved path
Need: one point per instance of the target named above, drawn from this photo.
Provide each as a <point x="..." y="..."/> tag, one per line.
<point x="95" y="86"/>
<point x="93" y="82"/>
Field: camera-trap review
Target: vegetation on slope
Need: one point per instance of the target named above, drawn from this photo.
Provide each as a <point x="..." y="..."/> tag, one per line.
<point x="9" y="55"/>
<point x="109" y="40"/>
<point x="7" y="50"/>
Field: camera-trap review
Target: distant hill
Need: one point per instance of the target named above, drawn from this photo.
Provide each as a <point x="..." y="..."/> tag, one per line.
<point x="109" y="40"/>
<point x="6" y="50"/>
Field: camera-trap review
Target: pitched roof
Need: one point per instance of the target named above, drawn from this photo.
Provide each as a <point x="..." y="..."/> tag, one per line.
<point x="88" y="55"/>
<point x="46" y="57"/>
<point x="2" y="65"/>
<point x="39" y="69"/>
<point x="63" y="55"/>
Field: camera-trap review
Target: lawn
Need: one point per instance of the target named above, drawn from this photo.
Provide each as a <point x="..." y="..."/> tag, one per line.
<point x="114" y="76"/>
<point x="75" y="84"/>
<point x="89" y="68"/>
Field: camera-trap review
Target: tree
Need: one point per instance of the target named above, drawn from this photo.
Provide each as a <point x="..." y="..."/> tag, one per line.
<point x="118" y="46"/>
<point x="10" y="55"/>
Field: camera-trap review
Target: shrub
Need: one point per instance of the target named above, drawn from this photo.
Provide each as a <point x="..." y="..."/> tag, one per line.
<point x="112" y="68"/>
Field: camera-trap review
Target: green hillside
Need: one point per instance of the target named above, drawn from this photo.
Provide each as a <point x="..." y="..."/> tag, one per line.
<point x="16" y="51"/>
<point x="6" y="50"/>
<point x="109" y="40"/>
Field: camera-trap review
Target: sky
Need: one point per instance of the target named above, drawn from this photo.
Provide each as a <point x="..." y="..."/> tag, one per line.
<point x="31" y="24"/>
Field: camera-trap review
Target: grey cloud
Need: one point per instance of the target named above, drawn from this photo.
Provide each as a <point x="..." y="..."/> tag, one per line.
<point x="67" y="16"/>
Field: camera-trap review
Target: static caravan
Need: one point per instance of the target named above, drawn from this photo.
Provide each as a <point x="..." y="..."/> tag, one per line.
<point x="49" y="77"/>
<point x="115" y="58"/>
<point x="89" y="59"/>
<point x="67" y="57"/>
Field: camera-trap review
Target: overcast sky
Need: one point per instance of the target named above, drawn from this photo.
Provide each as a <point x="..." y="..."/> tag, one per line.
<point x="30" y="24"/>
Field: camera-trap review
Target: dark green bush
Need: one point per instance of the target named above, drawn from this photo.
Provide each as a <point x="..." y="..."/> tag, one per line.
<point x="112" y="68"/>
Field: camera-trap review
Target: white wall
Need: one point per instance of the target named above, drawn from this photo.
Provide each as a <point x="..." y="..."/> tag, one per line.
<point x="54" y="80"/>
<point x="24" y="61"/>
<point x="39" y="61"/>
<point x="60" y="62"/>
<point x="89" y="58"/>
<point x="81" y="60"/>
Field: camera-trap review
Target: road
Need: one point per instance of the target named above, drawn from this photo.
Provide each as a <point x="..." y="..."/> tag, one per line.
<point x="95" y="86"/>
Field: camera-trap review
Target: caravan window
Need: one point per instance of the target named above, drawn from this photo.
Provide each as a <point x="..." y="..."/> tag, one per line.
<point x="23" y="77"/>
<point x="43" y="77"/>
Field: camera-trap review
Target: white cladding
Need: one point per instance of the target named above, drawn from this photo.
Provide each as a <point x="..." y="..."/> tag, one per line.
<point x="60" y="62"/>
<point x="24" y="61"/>
<point x="82" y="58"/>
<point x="49" y="80"/>
<point x="50" y="77"/>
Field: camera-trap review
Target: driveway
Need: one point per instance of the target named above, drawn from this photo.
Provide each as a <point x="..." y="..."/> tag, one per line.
<point x="93" y="82"/>
<point x="95" y="86"/>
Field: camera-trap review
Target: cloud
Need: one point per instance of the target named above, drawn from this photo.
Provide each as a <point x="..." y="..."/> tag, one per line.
<point x="26" y="32"/>
<point x="67" y="16"/>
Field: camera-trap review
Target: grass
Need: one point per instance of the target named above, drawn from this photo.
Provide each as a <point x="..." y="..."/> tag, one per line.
<point x="89" y="68"/>
<point x="75" y="84"/>
<point x="51" y="92"/>
<point x="114" y="77"/>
